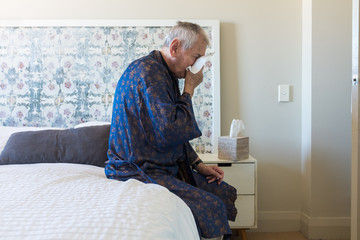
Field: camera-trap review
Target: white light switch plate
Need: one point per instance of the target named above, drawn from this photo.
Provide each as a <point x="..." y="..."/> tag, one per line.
<point x="283" y="93"/>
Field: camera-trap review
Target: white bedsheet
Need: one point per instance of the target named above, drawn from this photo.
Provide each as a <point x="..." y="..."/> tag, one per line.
<point x="72" y="201"/>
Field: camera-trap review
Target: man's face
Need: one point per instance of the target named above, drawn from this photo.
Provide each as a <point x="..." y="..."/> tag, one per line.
<point x="187" y="57"/>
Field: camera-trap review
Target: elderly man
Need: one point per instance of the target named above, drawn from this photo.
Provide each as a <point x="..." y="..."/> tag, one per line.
<point x="152" y="124"/>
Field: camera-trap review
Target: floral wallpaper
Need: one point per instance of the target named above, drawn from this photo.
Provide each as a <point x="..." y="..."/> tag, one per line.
<point x="63" y="76"/>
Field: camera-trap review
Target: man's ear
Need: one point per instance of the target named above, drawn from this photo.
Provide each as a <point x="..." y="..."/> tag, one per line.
<point x="174" y="47"/>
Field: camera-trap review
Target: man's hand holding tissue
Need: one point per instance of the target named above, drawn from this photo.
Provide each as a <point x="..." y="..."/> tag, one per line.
<point x="192" y="81"/>
<point x="212" y="172"/>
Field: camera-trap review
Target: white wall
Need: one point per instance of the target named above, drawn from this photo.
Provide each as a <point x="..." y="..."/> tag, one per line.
<point x="331" y="112"/>
<point x="327" y="79"/>
<point x="261" y="47"/>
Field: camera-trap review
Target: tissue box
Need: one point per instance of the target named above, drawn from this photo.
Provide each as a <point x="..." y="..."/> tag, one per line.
<point x="233" y="148"/>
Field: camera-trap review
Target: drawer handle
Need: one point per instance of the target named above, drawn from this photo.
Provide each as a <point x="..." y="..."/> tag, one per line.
<point x="224" y="164"/>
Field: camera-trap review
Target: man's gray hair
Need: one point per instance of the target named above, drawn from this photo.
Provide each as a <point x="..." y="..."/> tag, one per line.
<point x="187" y="33"/>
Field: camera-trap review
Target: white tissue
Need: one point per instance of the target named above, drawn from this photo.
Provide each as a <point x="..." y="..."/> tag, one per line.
<point x="199" y="63"/>
<point x="236" y="127"/>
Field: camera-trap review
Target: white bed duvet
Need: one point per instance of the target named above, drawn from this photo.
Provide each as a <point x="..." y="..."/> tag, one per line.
<point x="73" y="201"/>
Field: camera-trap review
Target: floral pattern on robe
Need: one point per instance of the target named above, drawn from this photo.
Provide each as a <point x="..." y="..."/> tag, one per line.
<point x="152" y="124"/>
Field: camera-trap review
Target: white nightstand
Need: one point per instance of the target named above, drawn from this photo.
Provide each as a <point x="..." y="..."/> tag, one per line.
<point x="243" y="176"/>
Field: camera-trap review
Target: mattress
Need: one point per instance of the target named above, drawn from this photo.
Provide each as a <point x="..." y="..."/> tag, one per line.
<point x="77" y="201"/>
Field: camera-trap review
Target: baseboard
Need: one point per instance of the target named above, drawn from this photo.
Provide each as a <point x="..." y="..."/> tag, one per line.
<point x="329" y="228"/>
<point x="334" y="228"/>
<point x="278" y="221"/>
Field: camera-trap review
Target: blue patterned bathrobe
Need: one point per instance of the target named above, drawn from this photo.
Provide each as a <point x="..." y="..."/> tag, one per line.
<point x="151" y="126"/>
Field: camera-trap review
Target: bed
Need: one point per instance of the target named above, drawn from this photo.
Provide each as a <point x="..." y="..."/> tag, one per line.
<point x="53" y="193"/>
<point x="57" y="83"/>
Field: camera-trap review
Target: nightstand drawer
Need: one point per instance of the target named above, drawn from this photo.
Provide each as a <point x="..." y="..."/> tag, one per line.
<point x="241" y="176"/>
<point x="245" y="205"/>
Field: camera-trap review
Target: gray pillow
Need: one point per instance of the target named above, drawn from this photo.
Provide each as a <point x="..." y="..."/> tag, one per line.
<point x="86" y="145"/>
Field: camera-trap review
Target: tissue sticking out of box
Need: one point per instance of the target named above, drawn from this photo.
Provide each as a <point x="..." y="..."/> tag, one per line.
<point x="234" y="147"/>
<point x="236" y="127"/>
